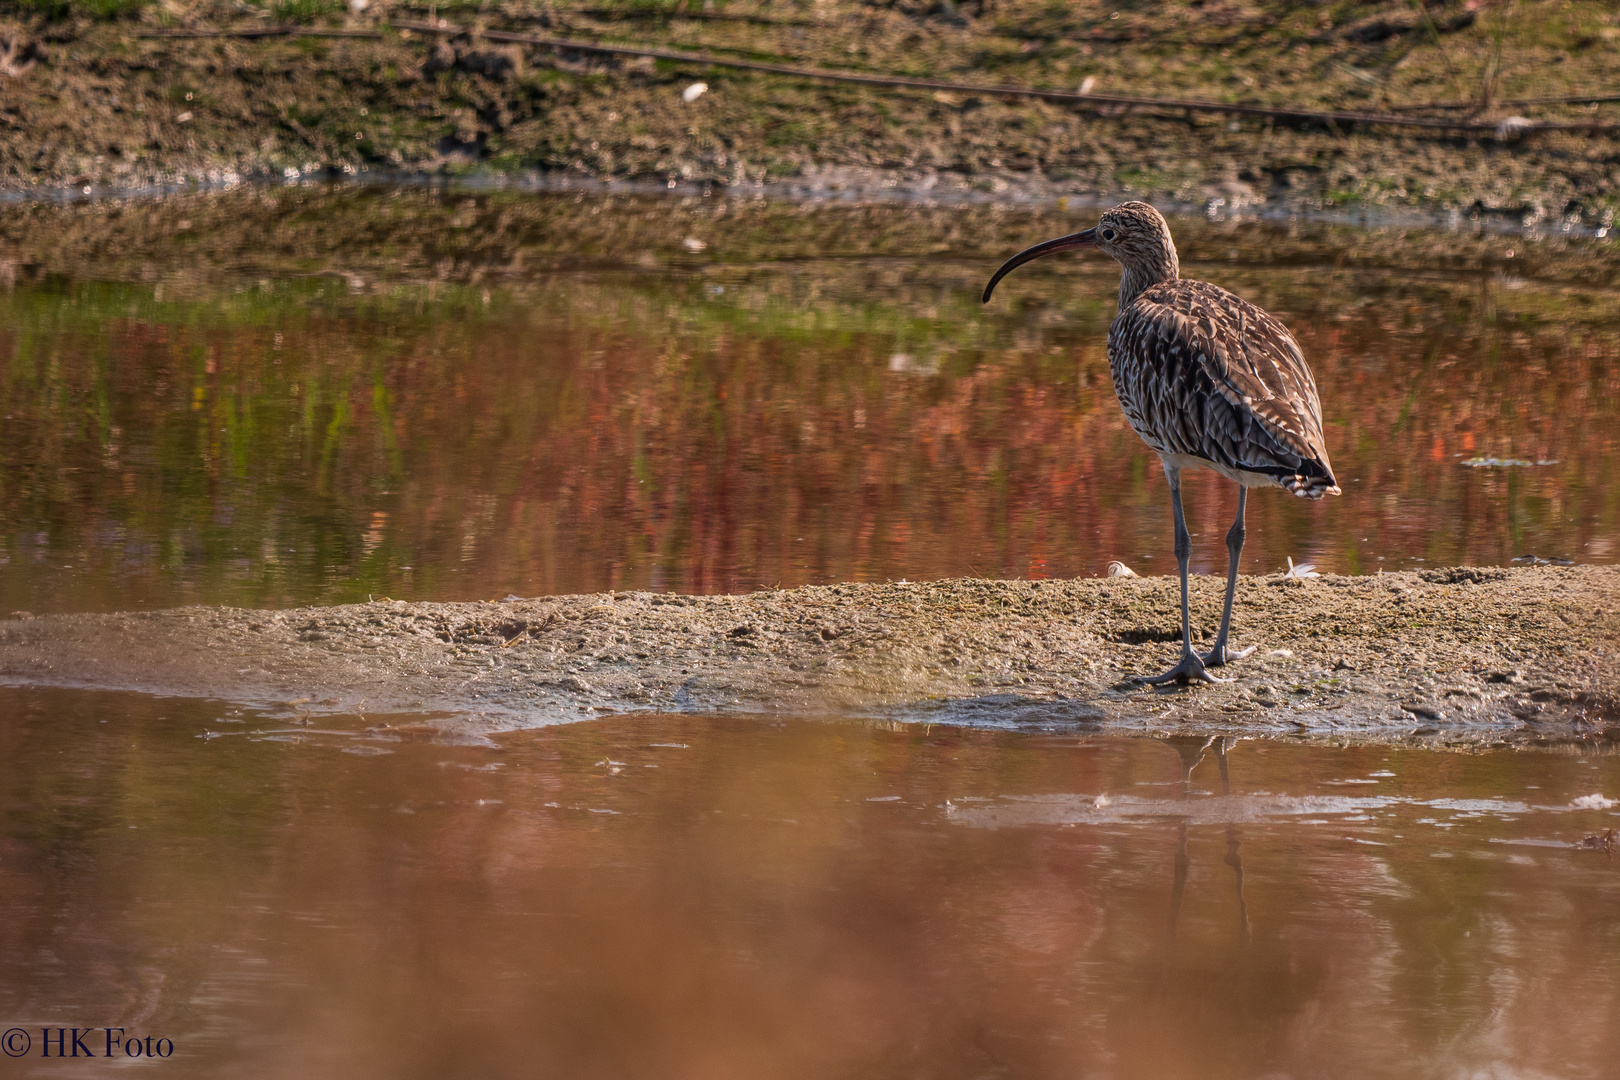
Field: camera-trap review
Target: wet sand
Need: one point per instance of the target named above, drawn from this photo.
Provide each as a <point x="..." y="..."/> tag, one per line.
<point x="1454" y="655"/>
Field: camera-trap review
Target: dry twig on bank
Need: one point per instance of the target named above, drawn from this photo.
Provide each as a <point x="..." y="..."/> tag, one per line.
<point x="1497" y="129"/>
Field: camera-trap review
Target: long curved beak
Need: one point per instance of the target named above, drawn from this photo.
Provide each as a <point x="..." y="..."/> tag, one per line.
<point x="1087" y="239"/>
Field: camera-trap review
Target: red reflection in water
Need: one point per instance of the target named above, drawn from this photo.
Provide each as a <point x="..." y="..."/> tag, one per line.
<point x="745" y="427"/>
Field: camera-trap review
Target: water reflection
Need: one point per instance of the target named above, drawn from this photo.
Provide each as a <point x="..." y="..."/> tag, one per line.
<point x="689" y="896"/>
<point x="1192" y="750"/>
<point x="549" y="394"/>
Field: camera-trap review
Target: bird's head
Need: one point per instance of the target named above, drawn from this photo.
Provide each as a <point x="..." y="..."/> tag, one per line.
<point x="1133" y="233"/>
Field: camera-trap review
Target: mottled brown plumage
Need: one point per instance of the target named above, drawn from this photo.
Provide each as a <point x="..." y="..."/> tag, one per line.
<point x="1208" y="380"/>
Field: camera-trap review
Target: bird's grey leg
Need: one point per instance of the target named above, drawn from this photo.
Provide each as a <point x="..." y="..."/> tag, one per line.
<point x="1220" y="654"/>
<point x="1191" y="666"/>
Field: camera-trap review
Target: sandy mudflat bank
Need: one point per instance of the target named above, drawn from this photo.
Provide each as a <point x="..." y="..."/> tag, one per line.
<point x="1458" y="654"/>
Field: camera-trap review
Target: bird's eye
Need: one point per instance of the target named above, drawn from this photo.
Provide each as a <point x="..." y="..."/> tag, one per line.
<point x="1108" y="234"/>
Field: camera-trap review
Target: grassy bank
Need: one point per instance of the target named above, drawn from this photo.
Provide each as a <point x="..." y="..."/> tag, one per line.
<point x="96" y="100"/>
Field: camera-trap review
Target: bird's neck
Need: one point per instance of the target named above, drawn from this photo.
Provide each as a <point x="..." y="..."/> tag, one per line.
<point x="1141" y="276"/>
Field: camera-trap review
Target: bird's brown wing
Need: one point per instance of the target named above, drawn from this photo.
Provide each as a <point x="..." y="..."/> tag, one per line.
<point x="1220" y="379"/>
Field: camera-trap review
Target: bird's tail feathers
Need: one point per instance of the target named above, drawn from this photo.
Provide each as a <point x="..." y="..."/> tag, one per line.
<point x="1311" y="487"/>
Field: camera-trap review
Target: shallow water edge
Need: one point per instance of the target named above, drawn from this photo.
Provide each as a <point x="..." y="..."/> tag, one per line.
<point x="847" y="185"/>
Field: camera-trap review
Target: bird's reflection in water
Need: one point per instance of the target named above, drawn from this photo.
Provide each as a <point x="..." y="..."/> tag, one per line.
<point x="1192" y="751"/>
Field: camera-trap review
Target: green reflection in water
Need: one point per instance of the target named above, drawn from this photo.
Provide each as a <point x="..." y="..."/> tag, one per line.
<point x="270" y="399"/>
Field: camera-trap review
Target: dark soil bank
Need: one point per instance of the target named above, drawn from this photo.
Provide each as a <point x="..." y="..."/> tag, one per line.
<point x="1462" y="655"/>
<point x="105" y="94"/>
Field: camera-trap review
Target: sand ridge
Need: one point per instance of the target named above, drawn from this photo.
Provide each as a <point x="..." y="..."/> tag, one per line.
<point x="1467" y="653"/>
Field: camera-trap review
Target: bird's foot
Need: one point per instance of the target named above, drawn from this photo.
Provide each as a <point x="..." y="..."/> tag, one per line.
<point x="1189" y="670"/>
<point x="1220" y="655"/>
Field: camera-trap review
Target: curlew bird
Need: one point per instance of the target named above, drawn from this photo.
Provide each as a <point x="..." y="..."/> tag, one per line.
<point x="1208" y="381"/>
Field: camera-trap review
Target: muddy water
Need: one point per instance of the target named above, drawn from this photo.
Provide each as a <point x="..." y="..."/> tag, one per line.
<point x="687" y="896"/>
<point x="265" y="399"/>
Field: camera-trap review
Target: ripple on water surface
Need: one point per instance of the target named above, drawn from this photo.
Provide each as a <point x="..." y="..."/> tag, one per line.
<point x="793" y="897"/>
